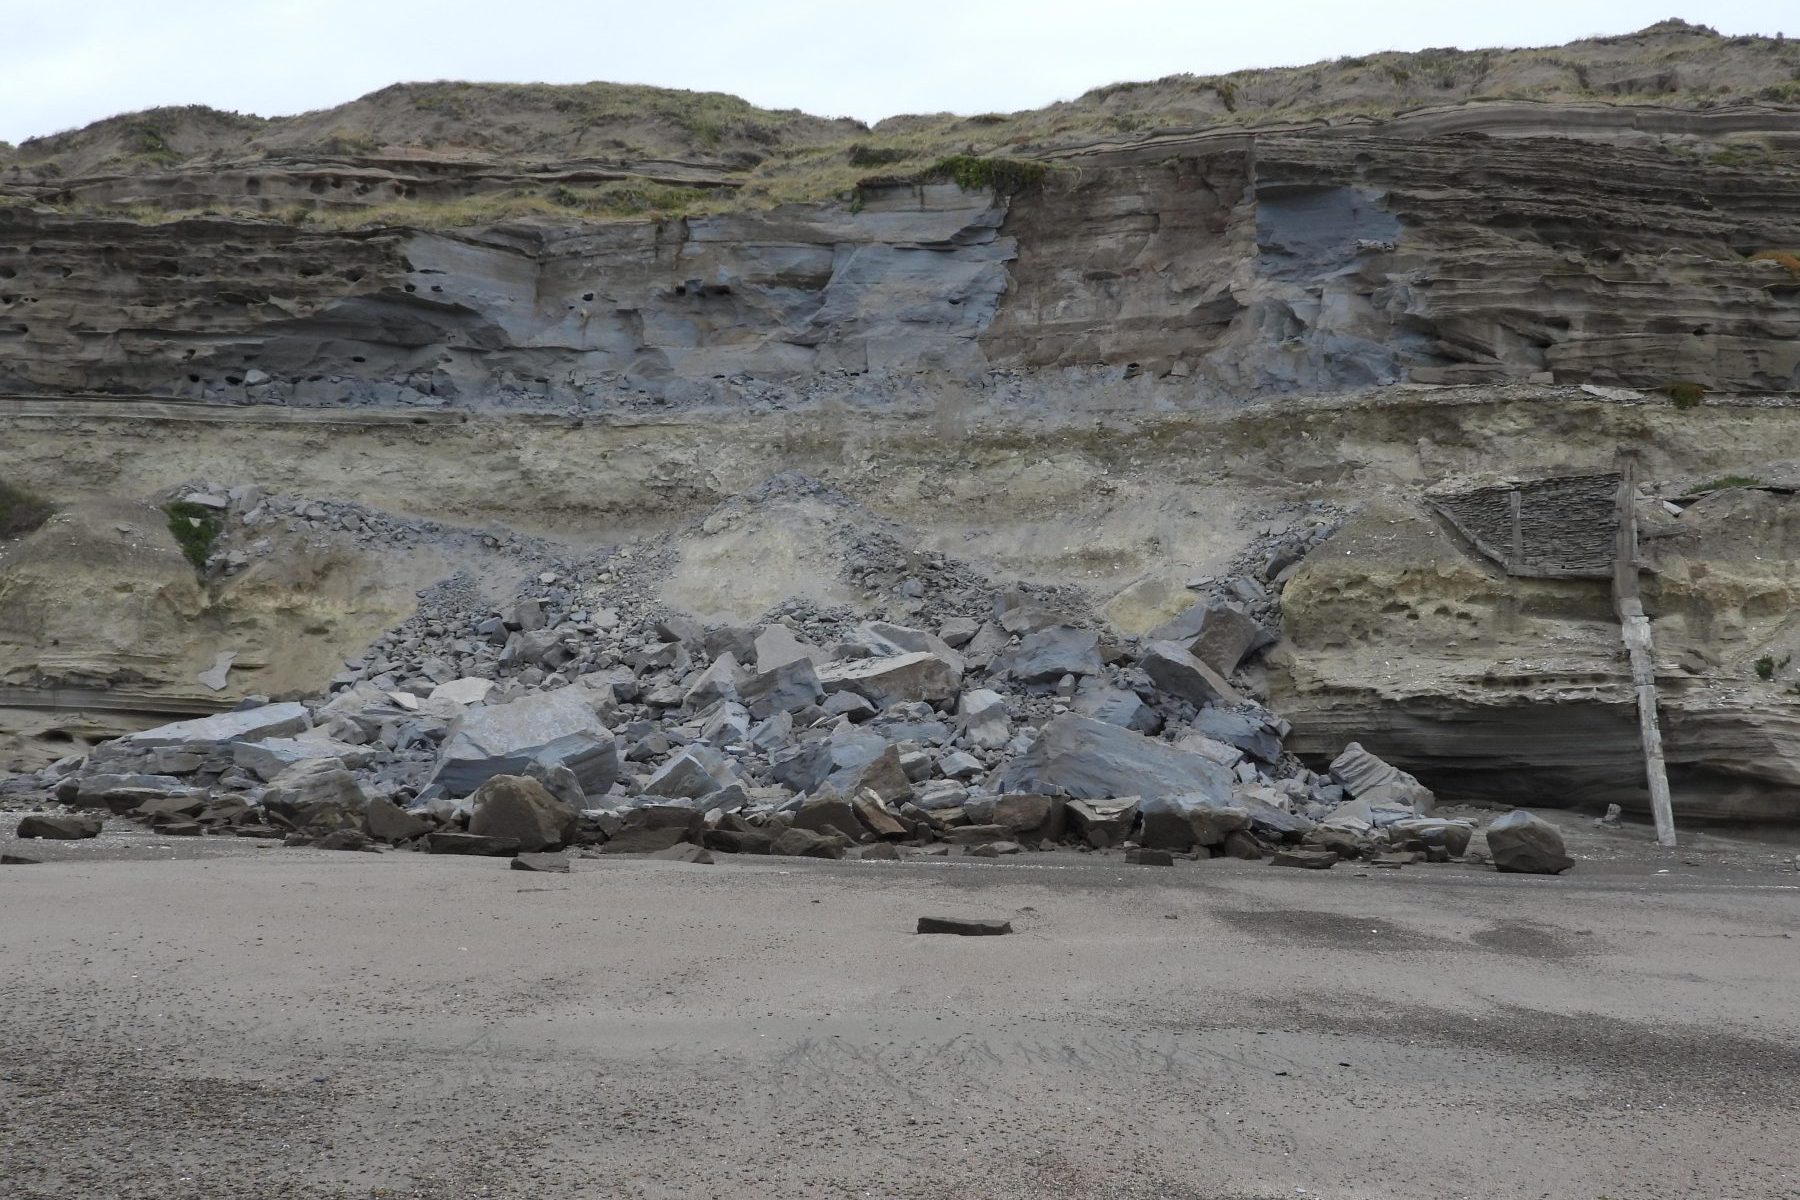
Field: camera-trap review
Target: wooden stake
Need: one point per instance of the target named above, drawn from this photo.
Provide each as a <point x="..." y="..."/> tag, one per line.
<point x="1634" y="627"/>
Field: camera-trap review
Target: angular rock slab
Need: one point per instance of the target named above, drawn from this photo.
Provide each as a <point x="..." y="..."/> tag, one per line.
<point x="1115" y="706"/>
<point x="785" y="688"/>
<point x="317" y="796"/>
<point x="267" y="758"/>
<point x="503" y="739"/>
<point x="884" y="681"/>
<point x="1046" y="655"/>
<point x="1179" y="673"/>
<point x="251" y="724"/>
<point x="1242" y="731"/>
<point x="1369" y="778"/>
<point x="555" y="864"/>
<point x="1094" y="760"/>
<point x="521" y="810"/>
<point x="1313" y="860"/>
<point x="964" y="926"/>
<point x="1216" y="634"/>
<point x="70" y="828"/>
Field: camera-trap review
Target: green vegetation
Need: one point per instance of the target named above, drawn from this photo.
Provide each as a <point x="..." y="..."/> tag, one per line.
<point x="971" y="173"/>
<point x="708" y="118"/>
<point x="1741" y="155"/>
<point x="864" y="155"/>
<point x="1685" y="395"/>
<point x="148" y="138"/>
<point x="21" y="511"/>
<point x="1730" y="481"/>
<point x="1781" y="93"/>
<point x="610" y="201"/>
<point x="196" y="528"/>
<point x="1766" y="666"/>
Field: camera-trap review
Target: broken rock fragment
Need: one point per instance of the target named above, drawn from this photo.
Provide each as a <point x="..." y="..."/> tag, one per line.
<point x="520" y="809"/>
<point x="785" y="688"/>
<point x="1368" y="778"/>
<point x="503" y="739"/>
<point x="982" y="714"/>
<point x="1045" y="656"/>
<point x="804" y="843"/>
<point x="1093" y="760"/>
<point x="964" y="926"/>
<point x="1179" y="673"/>
<point x="1314" y="860"/>
<point x="884" y="681"/>
<point x="386" y="821"/>
<point x="74" y="827"/>
<point x="556" y="864"/>
<point x="1218" y="635"/>
<point x="698" y="770"/>
<point x="316" y="796"/>
<point x="1527" y="844"/>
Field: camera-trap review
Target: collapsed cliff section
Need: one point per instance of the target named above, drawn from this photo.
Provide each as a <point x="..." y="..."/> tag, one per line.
<point x="1119" y="358"/>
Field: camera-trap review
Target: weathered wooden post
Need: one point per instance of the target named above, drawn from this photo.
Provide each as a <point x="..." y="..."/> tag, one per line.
<point x="1634" y="626"/>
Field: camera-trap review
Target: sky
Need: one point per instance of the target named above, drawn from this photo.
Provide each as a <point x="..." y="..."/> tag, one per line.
<point x="64" y="64"/>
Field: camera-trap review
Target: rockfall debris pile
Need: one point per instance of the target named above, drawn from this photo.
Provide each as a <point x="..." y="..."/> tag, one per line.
<point x="587" y="714"/>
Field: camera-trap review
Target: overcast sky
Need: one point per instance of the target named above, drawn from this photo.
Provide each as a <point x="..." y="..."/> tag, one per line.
<point x="63" y="64"/>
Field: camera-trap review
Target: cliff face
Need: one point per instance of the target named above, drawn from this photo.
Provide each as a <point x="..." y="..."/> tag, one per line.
<point x="1109" y="374"/>
<point x="1311" y="261"/>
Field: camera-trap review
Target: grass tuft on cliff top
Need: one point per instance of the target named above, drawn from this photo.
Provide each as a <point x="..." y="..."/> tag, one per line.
<point x="758" y="158"/>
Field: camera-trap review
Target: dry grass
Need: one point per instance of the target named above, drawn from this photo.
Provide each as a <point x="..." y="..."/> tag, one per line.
<point x="782" y="156"/>
<point x="1783" y="258"/>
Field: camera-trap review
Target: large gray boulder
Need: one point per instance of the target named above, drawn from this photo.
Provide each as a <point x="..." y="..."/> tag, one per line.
<point x="1248" y="733"/>
<point x="317" y="796"/>
<point x="1115" y="706"/>
<point x="503" y="739"/>
<point x="386" y="821"/>
<point x="885" y="639"/>
<point x="718" y="682"/>
<point x="1093" y="760"/>
<point x="1216" y="634"/>
<point x="1527" y="844"/>
<point x="892" y="680"/>
<point x="697" y="770"/>
<point x="1183" y="821"/>
<point x="787" y="687"/>
<point x="269" y="757"/>
<point x="777" y="645"/>
<point x="803" y="767"/>
<point x="1179" y="673"/>
<point x="512" y="806"/>
<point x="73" y="827"/>
<point x="984" y="720"/>
<point x="1367" y="777"/>
<point x="123" y="792"/>
<point x="1046" y="655"/>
